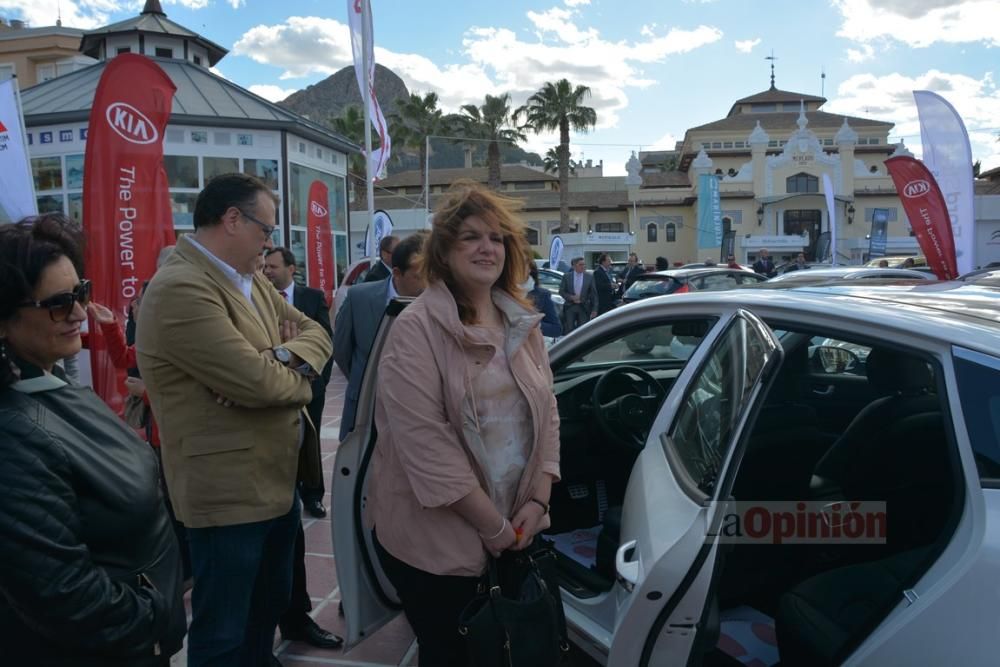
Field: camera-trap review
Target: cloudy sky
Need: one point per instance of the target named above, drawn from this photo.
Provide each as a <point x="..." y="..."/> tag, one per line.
<point x="655" y="67"/>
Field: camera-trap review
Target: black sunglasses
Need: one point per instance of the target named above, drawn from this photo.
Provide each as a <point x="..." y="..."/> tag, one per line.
<point x="61" y="305"/>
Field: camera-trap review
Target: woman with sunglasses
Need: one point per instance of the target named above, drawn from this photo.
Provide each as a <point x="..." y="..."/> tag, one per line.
<point x="89" y="566"/>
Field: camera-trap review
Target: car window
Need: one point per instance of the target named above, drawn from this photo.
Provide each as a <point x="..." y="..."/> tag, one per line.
<point x="716" y="398"/>
<point x="829" y="356"/>
<point x="749" y="278"/>
<point x="978" y="377"/>
<point x="549" y="281"/>
<point x="675" y="340"/>
<point x="643" y="288"/>
<point x="718" y="281"/>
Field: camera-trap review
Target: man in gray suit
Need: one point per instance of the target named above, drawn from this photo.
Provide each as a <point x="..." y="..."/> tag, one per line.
<point x="578" y="290"/>
<point x="359" y="317"/>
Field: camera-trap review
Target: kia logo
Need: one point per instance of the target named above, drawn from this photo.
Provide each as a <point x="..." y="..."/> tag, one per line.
<point x="131" y="124"/>
<point x="317" y="209"/>
<point x="915" y="189"/>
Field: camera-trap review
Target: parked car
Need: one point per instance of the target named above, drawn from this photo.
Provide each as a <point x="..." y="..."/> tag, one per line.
<point x="896" y="261"/>
<point x="766" y="401"/>
<point x="831" y="274"/>
<point x="987" y="276"/>
<point x="550" y="279"/>
<point x="679" y="281"/>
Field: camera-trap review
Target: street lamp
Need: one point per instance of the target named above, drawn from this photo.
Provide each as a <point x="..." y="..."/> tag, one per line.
<point x="760" y="215"/>
<point x="850" y="214"/>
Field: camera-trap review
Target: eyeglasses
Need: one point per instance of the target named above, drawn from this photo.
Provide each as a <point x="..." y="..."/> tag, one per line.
<point x="268" y="229"/>
<point x="61" y="305"/>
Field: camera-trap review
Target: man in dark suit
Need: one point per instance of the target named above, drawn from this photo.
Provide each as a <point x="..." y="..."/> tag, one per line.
<point x="383" y="267"/>
<point x="764" y="264"/>
<point x="295" y="623"/>
<point x="577" y="288"/>
<point x="633" y="272"/>
<point x="604" y="284"/>
<point x="359" y="317"/>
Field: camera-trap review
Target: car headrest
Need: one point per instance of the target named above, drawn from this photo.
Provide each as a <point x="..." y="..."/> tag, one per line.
<point x="891" y="372"/>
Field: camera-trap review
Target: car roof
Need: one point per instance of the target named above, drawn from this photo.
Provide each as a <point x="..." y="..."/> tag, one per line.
<point x="852" y="271"/>
<point x="952" y="311"/>
<point x="696" y="271"/>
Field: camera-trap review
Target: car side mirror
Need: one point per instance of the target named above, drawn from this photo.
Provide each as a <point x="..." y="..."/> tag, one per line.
<point x="833" y="360"/>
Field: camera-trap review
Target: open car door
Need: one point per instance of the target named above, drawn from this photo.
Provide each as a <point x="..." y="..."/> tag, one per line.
<point x="667" y="553"/>
<point x="368" y="598"/>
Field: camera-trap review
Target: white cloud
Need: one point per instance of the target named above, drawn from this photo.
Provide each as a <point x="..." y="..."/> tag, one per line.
<point x="920" y="23"/>
<point x="271" y="93"/>
<point x="890" y="98"/>
<point x="665" y="143"/>
<point x="236" y="4"/>
<point x="746" y="45"/>
<point x="190" y="4"/>
<point x="85" y="14"/>
<point x="860" y="55"/>
<point x="495" y="59"/>
<point x="576" y="3"/>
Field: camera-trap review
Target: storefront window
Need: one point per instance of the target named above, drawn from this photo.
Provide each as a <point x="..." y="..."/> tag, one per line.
<point x="50" y="203"/>
<point x="298" y="248"/>
<point x="301" y="179"/>
<point x="76" y="208"/>
<point x="214" y="166"/>
<point x="74" y="172"/>
<point x="182" y="206"/>
<point x="265" y="170"/>
<point x="340" y="252"/>
<point x="182" y="170"/>
<point x="47" y="172"/>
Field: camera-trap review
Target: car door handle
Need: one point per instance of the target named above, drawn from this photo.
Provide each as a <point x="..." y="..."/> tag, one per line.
<point x="828" y="391"/>
<point x="627" y="570"/>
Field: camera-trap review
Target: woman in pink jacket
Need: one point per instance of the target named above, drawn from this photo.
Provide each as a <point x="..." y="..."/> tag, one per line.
<point x="468" y="431"/>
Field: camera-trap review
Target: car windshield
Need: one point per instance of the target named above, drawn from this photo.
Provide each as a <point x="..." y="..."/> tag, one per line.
<point x="667" y="341"/>
<point x="645" y="287"/>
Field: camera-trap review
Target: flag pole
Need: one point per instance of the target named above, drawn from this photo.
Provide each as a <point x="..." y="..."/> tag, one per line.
<point x="366" y="95"/>
<point x="24" y="140"/>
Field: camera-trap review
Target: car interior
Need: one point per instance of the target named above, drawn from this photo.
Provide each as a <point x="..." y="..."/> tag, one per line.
<point x="844" y="419"/>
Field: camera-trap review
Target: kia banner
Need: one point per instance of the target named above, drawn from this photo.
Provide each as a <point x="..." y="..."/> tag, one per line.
<point x="126" y="202"/>
<point x="928" y="213"/>
<point x="320" y="251"/>
<point x="17" y="191"/>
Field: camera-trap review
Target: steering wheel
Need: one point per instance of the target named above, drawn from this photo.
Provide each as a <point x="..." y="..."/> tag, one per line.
<point x="628" y="418"/>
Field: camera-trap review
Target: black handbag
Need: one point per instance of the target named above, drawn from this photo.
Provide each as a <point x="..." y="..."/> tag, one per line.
<point x="516" y="618"/>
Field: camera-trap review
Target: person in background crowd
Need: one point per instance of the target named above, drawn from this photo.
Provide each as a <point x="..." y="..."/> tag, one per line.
<point x="709" y="262"/>
<point x="542" y="299"/>
<point x="359" y="317"/>
<point x="907" y="263"/>
<point x="383" y="267"/>
<point x="604" y="284"/>
<point x="279" y="268"/>
<point x="449" y="490"/>
<point x="295" y="623"/>
<point x="764" y="264"/>
<point x="633" y="271"/>
<point x="798" y="264"/>
<point x="577" y="288"/>
<point x="731" y="262"/>
<point x="228" y="366"/>
<point x="89" y="568"/>
<point x="662" y="264"/>
<point x="883" y="264"/>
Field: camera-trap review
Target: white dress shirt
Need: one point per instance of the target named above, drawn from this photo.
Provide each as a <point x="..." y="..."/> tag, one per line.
<point x="578" y="283"/>
<point x="243" y="282"/>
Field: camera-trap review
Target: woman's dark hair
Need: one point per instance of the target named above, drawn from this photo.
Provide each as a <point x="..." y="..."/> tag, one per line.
<point x="27" y="247"/>
<point x="533" y="272"/>
<point x="662" y="264"/>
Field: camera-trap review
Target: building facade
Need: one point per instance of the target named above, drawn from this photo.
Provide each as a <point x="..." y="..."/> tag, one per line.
<point x="34" y="55"/>
<point x="215" y="127"/>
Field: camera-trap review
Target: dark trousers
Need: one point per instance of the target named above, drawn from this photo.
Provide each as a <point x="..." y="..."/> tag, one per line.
<point x="299" y="605"/>
<point x="432" y="604"/>
<point x="179" y="530"/>
<point x="315" y="410"/>
<point x="242" y="583"/>
<point x="575" y="315"/>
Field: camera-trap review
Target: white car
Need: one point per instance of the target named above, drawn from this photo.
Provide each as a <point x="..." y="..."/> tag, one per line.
<point x="354" y="274"/>
<point x="763" y="397"/>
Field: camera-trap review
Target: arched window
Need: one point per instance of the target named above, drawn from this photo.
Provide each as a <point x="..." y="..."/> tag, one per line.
<point x="671" y="234"/>
<point x="651" y="232"/>
<point x="802" y="183"/>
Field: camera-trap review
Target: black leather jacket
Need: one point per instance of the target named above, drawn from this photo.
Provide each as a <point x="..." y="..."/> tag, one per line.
<point x="89" y="566"/>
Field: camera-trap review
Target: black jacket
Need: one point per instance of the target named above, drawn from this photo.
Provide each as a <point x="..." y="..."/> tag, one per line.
<point x="90" y="570"/>
<point x="378" y="272"/>
<point x="605" y="290"/>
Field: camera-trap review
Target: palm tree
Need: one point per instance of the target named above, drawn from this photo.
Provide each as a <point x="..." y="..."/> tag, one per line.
<point x="417" y="118"/>
<point x="492" y="122"/>
<point x="351" y="124"/>
<point x="550" y="163"/>
<point x="559" y="106"/>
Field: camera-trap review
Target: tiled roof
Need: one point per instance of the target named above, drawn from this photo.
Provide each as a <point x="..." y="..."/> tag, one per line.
<point x="784" y="122"/>
<point x="201" y="98"/>
<point x="512" y="173"/>
<point x="149" y="22"/>
<point x="987" y="187"/>
<point x="666" y="179"/>
<point x="774" y="95"/>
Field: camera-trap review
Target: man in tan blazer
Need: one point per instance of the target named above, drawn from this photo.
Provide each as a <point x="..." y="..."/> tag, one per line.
<point x="227" y="364"/>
